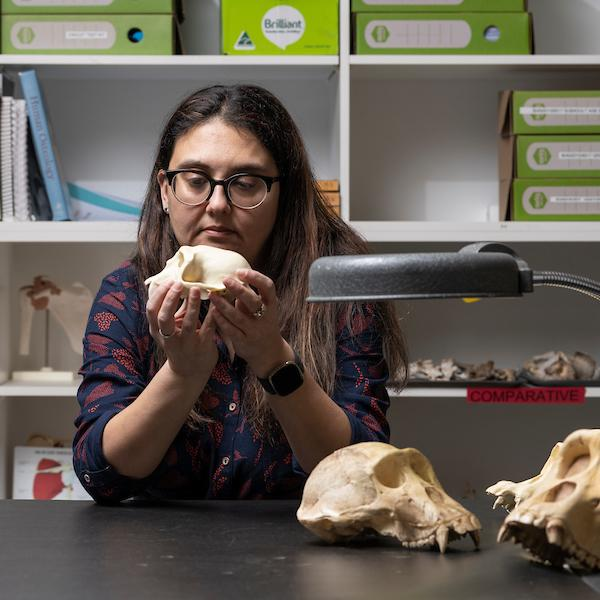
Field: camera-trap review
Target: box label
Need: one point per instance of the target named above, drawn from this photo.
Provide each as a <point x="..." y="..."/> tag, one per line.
<point x="561" y="200"/>
<point x="418" y="34"/>
<point x="62" y="35"/>
<point x="283" y="26"/>
<point x="551" y="156"/>
<point x="62" y="2"/>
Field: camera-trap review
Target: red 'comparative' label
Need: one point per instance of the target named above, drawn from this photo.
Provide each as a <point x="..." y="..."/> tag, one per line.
<point x="526" y="395"/>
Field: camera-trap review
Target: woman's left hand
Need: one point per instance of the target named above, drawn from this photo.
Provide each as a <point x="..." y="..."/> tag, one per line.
<point x="251" y="323"/>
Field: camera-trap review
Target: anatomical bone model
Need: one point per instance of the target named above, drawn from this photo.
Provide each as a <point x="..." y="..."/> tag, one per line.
<point x="556" y="514"/>
<point x="376" y="487"/>
<point x="201" y="266"/>
<point x="69" y="306"/>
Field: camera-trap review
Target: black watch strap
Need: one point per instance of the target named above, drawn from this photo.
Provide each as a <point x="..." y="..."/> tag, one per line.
<point x="285" y="379"/>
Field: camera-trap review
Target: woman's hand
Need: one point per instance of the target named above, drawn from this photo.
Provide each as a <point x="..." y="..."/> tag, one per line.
<point x="190" y="346"/>
<point x="251" y="323"/>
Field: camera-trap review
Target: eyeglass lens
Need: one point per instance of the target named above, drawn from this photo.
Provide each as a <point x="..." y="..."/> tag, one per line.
<point x="245" y="191"/>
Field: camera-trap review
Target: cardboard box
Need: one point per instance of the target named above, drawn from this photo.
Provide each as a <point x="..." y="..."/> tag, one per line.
<point x="328" y="185"/>
<point x="271" y="27"/>
<point x="556" y="200"/>
<point x="88" y="34"/>
<point x="559" y="156"/>
<point x="438" y="5"/>
<point x="442" y="33"/>
<point x="554" y="112"/>
<point x="39" y="7"/>
<point x="45" y="474"/>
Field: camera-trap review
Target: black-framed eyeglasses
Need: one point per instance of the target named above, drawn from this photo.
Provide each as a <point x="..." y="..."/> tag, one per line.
<point x="193" y="187"/>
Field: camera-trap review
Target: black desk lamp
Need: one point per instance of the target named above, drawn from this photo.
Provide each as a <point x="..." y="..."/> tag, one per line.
<point x="480" y="270"/>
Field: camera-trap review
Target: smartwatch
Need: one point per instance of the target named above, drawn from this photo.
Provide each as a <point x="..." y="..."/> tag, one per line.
<point x="285" y="379"/>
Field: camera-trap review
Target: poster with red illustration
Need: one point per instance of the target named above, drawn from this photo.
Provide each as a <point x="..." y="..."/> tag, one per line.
<point x="45" y="474"/>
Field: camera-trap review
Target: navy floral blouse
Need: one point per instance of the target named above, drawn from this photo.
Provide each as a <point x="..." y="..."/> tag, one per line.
<point x="225" y="457"/>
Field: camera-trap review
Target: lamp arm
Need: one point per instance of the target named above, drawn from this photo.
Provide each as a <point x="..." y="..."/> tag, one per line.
<point x="583" y="285"/>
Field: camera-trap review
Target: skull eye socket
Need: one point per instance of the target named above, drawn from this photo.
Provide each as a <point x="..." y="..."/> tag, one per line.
<point x="560" y="492"/>
<point x="192" y="272"/>
<point x="388" y="471"/>
<point x="575" y="466"/>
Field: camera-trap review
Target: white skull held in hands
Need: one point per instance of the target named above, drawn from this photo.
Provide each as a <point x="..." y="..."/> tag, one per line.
<point x="201" y="266"/>
<point x="556" y="514"/>
<point x="376" y="487"/>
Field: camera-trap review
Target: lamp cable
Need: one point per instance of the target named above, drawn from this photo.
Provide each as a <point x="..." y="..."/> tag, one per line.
<point x="577" y="283"/>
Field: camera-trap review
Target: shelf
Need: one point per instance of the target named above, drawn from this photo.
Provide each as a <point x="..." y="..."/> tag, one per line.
<point x="69" y="231"/>
<point x="389" y="66"/>
<point x="437" y="231"/>
<point x="117" y="67"/>
<point x="12" y="389"/>
<point x="456" y="392"/>
<point x="373" y="231"/>
<point x="39" y="390"/>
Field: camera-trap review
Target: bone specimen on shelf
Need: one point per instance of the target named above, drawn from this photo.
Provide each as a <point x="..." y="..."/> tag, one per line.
<point x="450" y="369"/>
<point x="373" y="487"/>
<point x="70" y="306"/>
<point x="559" y="366"/>
<point x="556" y="514"/>
<point x="201" y="266"/>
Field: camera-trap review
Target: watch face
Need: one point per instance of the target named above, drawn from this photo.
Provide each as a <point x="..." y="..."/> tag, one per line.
<point x="287" y="379"/>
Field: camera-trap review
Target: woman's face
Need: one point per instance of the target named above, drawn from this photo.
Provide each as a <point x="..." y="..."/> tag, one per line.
<point x="221" y="151"/>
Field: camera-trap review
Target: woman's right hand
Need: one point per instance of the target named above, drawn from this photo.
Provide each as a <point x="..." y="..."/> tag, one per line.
<point x="188" y="344"/>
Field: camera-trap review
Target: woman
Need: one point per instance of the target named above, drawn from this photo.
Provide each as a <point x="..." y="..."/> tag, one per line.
<point x="165" y="411"/>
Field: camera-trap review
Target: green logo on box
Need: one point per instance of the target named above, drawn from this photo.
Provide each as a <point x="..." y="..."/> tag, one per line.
<point x="380" y="33"/>
<point x="538" y="200"/>
<point x="542" y="156"/>
<point x="244" y="42"/>
<point x="538" y="117"/>
<point x="26" y="35"/>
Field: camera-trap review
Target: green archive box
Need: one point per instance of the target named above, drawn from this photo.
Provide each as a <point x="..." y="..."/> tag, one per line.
<point x="271" y="27"/>
<point x="88" y="34"/>
<point x="556" y="200"/>
<point x="555" y="112"/>
<point x="558" y="156"/>
<point x="442" y="33"/>
<point x="438" y="5"/>
<point x="39" y="7"/>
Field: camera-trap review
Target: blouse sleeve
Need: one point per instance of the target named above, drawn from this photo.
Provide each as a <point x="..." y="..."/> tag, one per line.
<point x="362" y="373"/>
<point x="115" y="371"/>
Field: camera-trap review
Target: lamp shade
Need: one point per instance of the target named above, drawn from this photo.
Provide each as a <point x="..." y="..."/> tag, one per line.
<point x="478" y="270"/>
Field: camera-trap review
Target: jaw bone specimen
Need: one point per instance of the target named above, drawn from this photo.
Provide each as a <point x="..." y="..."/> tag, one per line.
<point x="203" y="267"/>
<point x="556" y="514"/>
<point x="376" y="487"/>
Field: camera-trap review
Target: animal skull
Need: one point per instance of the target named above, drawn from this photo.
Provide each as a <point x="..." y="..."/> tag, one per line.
<point x="201" y="266"/>
<point x="556" y="514"/>
<point x="377" y="487"/>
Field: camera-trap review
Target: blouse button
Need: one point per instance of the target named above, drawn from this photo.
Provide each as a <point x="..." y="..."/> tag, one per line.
<point x="87" y="478"/>
<point x="225" y="461"/>
<point x="232" y="406"/>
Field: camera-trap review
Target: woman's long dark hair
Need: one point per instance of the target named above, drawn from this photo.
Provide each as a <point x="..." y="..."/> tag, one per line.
<point x="305" y="229"/>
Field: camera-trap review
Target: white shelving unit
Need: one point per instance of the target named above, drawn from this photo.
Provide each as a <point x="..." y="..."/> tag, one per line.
<point x="412" y="140"/>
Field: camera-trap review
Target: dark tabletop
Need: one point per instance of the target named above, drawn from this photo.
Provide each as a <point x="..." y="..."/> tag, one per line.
<point x="241" y="549"/>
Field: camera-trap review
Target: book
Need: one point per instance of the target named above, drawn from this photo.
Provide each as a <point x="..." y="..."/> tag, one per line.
<point x="21" y="202"/>
<point x="6" y="157"/>
<point x="45" y="149"/>
<point x="40" y="205"/>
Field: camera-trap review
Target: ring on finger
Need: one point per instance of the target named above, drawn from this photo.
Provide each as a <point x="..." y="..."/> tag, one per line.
<point x="259" y="312"/>
<point x="164" y="335"/>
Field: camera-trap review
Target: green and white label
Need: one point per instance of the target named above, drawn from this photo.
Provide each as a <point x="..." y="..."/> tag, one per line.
<point x="63" y="35"/>
<point x="413" y="33"/>
<point x="283" y="25"/>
